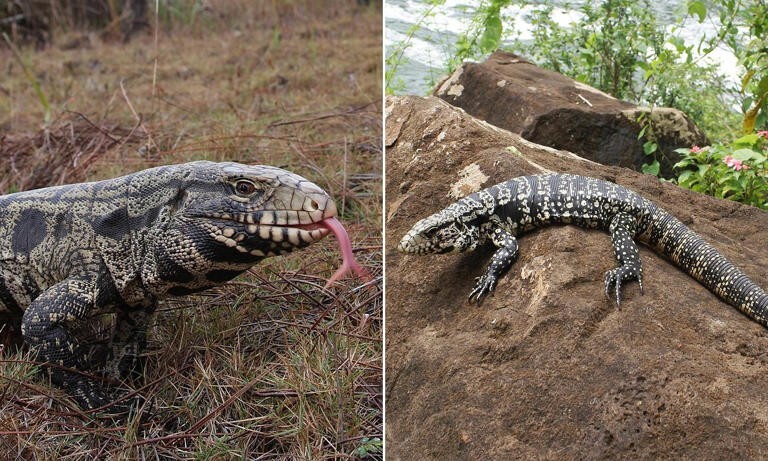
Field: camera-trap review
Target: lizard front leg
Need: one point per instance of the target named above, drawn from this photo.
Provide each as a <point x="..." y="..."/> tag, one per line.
<point x="622" y="230"/>
<point x="129" y="339"/>
<point x="502" y="260"/>
<point x="45" y="327"/>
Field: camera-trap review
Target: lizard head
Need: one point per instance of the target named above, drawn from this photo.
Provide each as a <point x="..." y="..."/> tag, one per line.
<point x="252" y="212"/>
<point x="443" y="232"/>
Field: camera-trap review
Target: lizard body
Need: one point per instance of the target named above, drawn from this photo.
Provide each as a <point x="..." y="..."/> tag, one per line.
<point x="120" y="245"/>
<point x="502" y="212"/>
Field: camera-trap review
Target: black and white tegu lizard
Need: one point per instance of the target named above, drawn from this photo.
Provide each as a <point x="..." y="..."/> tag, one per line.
<point x="121" y="245"/>
<point x="502" y="212"/>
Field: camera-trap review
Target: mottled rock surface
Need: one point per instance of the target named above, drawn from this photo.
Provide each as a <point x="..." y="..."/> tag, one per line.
<point x="553" y="110"/>
<point x="548" y="368"/>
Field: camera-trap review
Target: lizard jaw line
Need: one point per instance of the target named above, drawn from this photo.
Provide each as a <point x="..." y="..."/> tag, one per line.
<point x="282" y="238"/>
<point x="281" y="218"/>
<point x="295" y="234"/>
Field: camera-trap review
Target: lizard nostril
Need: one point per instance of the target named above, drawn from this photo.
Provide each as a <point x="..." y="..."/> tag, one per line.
<point x="314" y="205"/>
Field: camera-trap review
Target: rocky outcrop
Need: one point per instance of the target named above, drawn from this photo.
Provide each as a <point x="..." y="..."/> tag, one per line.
<point x="548" y="368"/>
<point x="553" y="110"/>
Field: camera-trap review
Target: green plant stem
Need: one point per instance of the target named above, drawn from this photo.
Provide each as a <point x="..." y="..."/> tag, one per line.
<point x="32" y="80"/>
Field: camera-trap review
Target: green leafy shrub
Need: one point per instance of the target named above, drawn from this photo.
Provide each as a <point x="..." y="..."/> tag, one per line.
<point x="736" y="171"/>
<point x="483" y="35"/>
<point x="619" y="47"/>
<point x="742" y="28"/>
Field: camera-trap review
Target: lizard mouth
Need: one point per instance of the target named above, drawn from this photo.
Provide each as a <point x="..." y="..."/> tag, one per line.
<point x="270" y="239"/>
<point x="319" y="229"/>
<point x="267" y="239"/>
<point x="291" y="227"/>
<point x="287" y="235"/>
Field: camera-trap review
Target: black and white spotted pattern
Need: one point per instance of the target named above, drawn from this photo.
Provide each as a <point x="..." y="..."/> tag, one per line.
<point x="506" y="210"/>
<point x="120" y="245"/>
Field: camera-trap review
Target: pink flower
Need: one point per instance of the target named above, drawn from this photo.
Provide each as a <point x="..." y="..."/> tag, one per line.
<point x="737" y="165"/>
<point x="762" y="134"/>
<point x="696" y="149"/>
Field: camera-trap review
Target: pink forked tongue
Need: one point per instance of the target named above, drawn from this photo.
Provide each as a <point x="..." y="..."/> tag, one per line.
<point x="349" y="262"/>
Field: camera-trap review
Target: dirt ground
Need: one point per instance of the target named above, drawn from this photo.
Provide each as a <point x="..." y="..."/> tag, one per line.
<point x="548" y="368"/>
<point x="268" y="365"/>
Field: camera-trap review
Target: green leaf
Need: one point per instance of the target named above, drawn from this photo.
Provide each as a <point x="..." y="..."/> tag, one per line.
<point x="653" y="168"/>
<point x="743" y="180"/>
<point x="747" y="140"/>
<point x="746" y="103"/>
<point x="650" y="147"/>
<point x="678" y="42"/>
<point x="492" y="34"/>
<point x="745" y="154"/>
<point x="698" y="9"/>
<point x="684" y="177"/>
<point x="762" y="87"/>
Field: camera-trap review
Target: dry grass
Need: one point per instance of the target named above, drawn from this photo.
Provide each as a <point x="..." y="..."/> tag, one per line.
<point x="60" y="154"/>
<point x="271" y="365"/>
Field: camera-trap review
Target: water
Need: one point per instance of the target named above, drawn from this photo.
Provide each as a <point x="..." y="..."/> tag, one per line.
<point x="433" y="41"/>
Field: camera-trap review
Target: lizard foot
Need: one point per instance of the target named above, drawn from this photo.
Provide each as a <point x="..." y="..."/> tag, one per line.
<point x="91" y="395"/>
<point x="615" y="277"/>
<point x="128" y="367"/>
<point x="483" y="287"/>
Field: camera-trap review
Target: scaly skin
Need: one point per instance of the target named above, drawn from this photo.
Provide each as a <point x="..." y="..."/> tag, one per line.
<point x="121" y="245"/>
<point x="502" y="212"/>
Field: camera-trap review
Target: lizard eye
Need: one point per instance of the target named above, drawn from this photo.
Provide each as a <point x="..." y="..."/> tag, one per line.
<point x="430" y="232"/>
<point x="245" y="188"/>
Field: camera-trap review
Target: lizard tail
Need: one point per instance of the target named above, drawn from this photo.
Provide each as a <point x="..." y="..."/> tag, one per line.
<point x="705" y="264"/>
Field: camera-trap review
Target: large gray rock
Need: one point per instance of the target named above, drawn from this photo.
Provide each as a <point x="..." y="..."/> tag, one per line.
<point x="553" y="110"/>
<point x="548" y="368"/>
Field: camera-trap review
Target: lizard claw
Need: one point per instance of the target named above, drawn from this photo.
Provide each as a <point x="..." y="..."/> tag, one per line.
<point x="608" y="281"/>
<point x="484" y="286"/>
<point x="615" y="277"/>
